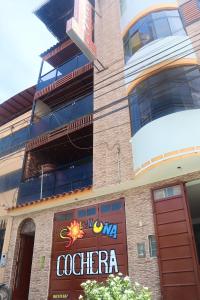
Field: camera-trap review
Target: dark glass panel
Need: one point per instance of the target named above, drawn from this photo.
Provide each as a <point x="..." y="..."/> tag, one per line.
<point x="105" y="208"/>
<point x="64" y="179"/>
<point x="91" y="211"/>
<point x="116" y="205"/>
<point x="151" y="27"/>
<point x="63" y="115"/>
<point x="167" y="92"/>
<point x="152" y="246"/>
<point x="82" y="213"/>
<point x="135" y="42"/>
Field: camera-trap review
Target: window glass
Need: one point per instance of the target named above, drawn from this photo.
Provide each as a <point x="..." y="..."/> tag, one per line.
<point x="151" y="27"/>
<point x="82" y="213"/>
<point x="105" y="208"/>
<point x="162" y="28"/>
<point x="64" y="217"/>
<point x="176" y="26"/>
<point x="172" y="13"/>
<point x="91" y="211"/>
<point x="135" y="42"/>
<point x="152" y="246"/>
<point x="2" y="234"/>
<point x="167" y="92"/>
<point x="158" y="15"/>
<point x="141" y="250"/>
<point x="116" y="205"/>
<point x="167" y="192"/>
<point x="147" y="33"/>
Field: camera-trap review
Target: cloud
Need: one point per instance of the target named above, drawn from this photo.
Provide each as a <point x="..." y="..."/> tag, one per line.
<point x="23" y="38"/>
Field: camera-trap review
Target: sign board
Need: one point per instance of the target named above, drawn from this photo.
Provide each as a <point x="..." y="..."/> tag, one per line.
<point x="80" y="28"/>
<point x="88" y="243"/>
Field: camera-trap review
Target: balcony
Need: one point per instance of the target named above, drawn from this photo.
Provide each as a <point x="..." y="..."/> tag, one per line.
<point x="63" y="115"/>
<point x="66" y="68"/>
<point x="64" y="179"/>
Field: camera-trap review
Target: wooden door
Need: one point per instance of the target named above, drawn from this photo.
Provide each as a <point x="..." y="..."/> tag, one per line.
<point x="104" y="232"/>
<point x="178" y="261"/>
<point x="23" y="268"/>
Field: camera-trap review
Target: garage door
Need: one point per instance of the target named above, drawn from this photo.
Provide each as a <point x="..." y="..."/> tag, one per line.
<point x="88" y="243"/>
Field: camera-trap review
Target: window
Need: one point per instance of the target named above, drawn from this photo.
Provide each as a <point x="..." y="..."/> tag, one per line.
<point x="167" y="192"/>
<point x="141" y="250"/>
<point x="64" y="217"/>
<point x="87" y="212"/>
<point x="2" y="234"/>
<point x="105" y="208"/>
<point x="82" y="213"/>
<point x="167" y="92"/>
<point x="116" y="206"/>
<point x="151" y="27"/>
<point x="111" y="207"/>
<point x="135" y="42"/>
<point x="91" y="211"/>
<point x="152" y="246"/>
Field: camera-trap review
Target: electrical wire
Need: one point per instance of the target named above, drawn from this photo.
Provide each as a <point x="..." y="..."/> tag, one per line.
<point x="129" y="67"/>
<point x="148" y="74"/>
<point x="118" y="101"/>
<point x="186" y="53"/>
<point x="141" y="76"/>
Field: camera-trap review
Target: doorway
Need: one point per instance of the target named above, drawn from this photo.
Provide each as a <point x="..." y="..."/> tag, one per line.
<point x="178" y="263"/>
<point x="24" y="260"/>
<point x="193" y="193"/>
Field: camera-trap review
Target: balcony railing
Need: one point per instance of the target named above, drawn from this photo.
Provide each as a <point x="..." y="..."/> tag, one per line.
<point x="64" y="179"/>
<point x="68" y="67"/>
<point x="64" y="115"/>
<point x="14" y="141"/>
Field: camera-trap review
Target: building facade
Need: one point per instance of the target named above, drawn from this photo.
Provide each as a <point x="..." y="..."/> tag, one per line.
<point x="14" y="123"/>
<point x="110" y="180"/>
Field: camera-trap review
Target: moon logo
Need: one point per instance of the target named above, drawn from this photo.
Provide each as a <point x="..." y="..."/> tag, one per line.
<point x="62" y="233"/>
<point x="97" y="227"/>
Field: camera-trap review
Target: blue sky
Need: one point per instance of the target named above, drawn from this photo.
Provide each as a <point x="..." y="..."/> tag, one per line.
<point x="23" y="38"/>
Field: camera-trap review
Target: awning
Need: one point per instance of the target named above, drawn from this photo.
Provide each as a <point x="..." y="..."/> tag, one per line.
<point x="16" y="105"/>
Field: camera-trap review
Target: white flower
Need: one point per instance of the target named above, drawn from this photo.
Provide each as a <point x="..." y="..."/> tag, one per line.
<point x="83" y="284"/>
<point x="137" y="283"/>
<point x="126" y="278"/>
<point x="88" y="281"/>
<point x="80" y="297"/>
<point x="120" y="274"/>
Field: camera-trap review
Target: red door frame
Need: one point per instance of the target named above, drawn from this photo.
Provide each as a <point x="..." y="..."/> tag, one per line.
<point x="190" y="234"/>
<point x="23" y="268"/>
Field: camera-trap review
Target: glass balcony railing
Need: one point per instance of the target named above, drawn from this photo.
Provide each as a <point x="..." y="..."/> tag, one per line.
<point x="68" y="67"/>
<point x="68" y="113"/>
<point x="64" y="179"/>
<point x="63" y="115"/>
<point x="14" y="141"/>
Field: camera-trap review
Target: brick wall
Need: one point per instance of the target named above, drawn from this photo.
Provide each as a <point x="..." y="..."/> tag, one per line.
<point x="140" y="224"/>
<point x="192" y="31"/>
<point x="112" y="150"/>
<point x="190" y="11"/>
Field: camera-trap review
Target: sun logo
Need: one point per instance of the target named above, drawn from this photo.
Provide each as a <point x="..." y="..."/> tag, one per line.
<point x="75" y="231"/>
<point x="72" y="233"/>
